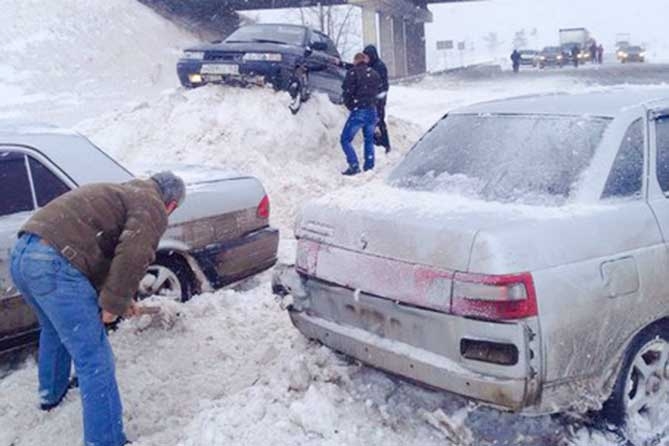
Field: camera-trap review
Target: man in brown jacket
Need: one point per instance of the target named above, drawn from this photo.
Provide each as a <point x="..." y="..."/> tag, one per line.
<point x="78" y="263"/>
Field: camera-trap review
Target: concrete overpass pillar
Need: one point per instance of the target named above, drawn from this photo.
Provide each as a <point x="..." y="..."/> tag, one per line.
<point x="400" y="34"/>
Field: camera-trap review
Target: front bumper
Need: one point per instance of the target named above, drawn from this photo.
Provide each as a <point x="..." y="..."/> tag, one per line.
<point x="419" y="344"/>
<point x="229" y="262"/>
<point x="260" y="73"/>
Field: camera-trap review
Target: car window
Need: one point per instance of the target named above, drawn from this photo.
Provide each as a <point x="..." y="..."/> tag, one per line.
<point x="47" y="185"/>
<point x="662" y="143"/>
<point x="332" y="49"/>
<point x="625" y="179"/>
<point x="316" y="37"/>
<point x="14" y="178"/>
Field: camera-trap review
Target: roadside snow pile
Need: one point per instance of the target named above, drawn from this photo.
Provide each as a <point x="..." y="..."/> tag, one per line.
<point x="248" y="130"/>
<point x="65" y="58"/>
<point x="232" y="371"/>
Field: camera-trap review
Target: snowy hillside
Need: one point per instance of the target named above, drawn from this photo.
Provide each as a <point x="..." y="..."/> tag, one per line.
<point x="71" y="58"/>
<point x="252" y="131"/>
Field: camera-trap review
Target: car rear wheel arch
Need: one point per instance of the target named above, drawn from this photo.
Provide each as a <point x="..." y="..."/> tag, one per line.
<point x="614" y="409"/>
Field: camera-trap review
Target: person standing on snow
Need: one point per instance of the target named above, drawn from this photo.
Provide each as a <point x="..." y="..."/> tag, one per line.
<point x="377" y="65"/>
<point x="360" y="90"/>
<point x="515" y="60"/>
<point x="78" y="263"/>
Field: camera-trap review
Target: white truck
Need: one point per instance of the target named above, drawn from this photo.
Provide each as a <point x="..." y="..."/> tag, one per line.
<point x="576" y="37"/>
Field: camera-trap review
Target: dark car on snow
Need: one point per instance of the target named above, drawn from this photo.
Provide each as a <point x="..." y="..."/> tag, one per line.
<point x="551" y="56"/>
<point x="633" y="54"/>
<point x="288" y="58"/>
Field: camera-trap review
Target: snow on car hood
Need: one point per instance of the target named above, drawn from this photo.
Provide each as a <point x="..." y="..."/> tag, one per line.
<point x="457" y="233"/>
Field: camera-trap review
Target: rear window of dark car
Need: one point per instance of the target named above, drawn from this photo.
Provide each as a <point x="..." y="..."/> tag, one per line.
<point x="532" y="159"/>
<point x="291" y="35"/>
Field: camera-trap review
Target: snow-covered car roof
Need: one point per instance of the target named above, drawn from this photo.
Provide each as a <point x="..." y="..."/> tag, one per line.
<point x="75" y="155"/>
<point x="605" y="103"/>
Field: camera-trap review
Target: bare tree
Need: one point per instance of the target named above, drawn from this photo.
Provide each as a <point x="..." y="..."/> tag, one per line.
<point x="338" y="22"/>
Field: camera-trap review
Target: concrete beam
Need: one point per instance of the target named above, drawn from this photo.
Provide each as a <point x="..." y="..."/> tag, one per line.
<point x="407" y="10"/>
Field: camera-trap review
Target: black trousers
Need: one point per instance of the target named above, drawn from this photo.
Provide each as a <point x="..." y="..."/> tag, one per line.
<point x="381" y="137"/>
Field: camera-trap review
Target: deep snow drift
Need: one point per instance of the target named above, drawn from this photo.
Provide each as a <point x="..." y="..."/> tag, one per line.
<point x="249" y="130"/>
<point x="68" y="59"/>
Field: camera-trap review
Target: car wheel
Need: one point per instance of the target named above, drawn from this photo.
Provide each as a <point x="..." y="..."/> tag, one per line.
<point x="638" y="402"/>
<point x="299" y="91"/>
<point x="168" y="276"/>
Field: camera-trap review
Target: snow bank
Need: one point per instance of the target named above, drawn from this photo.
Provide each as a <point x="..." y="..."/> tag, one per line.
<point x="67" y="58"/>
<point x="248" y="130"/>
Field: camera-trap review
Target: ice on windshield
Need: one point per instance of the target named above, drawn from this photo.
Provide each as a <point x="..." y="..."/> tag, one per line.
<point x="530" y="159"/>
<point x="291" y="35"/>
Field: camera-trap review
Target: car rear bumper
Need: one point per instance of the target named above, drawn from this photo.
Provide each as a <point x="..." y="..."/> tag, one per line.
<point x="225" y="263"/>
<point x="420" y="344"/>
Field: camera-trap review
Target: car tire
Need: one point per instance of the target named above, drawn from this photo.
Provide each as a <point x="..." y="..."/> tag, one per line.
<point x="636" y="399"/>
<point x="168" y="276"/>
<point x="299" y="90"/>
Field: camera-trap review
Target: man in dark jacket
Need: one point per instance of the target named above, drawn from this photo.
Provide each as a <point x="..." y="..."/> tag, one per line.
<point x="515" y="60"/>
<point x="377" y="65"/>
<point x="360" y="90"/>
<point x="78" y="263"/>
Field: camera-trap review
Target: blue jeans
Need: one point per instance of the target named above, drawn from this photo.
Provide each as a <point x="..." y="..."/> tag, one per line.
<point x="71" y="330"/>
<point x="365" y="119"/>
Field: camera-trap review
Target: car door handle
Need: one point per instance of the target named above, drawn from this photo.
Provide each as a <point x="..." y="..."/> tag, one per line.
<point x="620" y="276"/>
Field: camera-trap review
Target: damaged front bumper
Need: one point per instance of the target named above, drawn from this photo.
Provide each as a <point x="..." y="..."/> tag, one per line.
<point x="423" y="345"/>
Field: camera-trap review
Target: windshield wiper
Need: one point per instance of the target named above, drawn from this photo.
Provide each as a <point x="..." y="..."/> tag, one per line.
<point x="269" y="41"/>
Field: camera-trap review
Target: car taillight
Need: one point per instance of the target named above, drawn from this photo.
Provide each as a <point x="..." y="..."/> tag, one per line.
<point x="263" y="208"/>
<point x="494" y="297"/>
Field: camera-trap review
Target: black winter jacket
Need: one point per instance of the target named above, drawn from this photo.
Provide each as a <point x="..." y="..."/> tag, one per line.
<point x="377" y="65"/>
<point x="361" y="87"/>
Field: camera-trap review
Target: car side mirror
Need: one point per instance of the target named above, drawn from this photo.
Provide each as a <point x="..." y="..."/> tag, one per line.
<point x="319" y="46"/>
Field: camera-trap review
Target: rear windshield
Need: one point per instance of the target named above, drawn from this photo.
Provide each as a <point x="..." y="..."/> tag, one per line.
<point x="291" y="35"/>
<point x="533" y="159"/>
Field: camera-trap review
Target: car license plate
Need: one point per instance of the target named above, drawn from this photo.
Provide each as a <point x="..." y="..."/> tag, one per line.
<point x="219" y="69"/>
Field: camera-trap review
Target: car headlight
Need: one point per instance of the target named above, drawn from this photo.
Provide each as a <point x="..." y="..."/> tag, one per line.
<point x="542" y="58"/>
<point x="268" y="57"/>
<point x="643" y="54"/>
<point x="195" y="55"/>
<point x="559" y="58"/>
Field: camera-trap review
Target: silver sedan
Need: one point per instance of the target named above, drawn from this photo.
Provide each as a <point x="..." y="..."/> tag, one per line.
<point x="220" y="234"/>
<point x="517" y="256"/>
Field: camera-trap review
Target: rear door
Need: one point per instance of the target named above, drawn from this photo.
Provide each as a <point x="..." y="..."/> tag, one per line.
<point x="34" y="182"/>
<point x="317" y="63"/>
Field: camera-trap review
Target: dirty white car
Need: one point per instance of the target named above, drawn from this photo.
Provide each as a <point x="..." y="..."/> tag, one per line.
<point x="516" y="256"/>
<point x="221" y="233"/>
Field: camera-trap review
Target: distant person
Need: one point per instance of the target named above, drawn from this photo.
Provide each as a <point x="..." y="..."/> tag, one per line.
<point x="360" y="90"/>
<point x="515" y="60"/>
<point x="593" y="52"/>
<point x="78" y="263"/>
<point x="600" y="54"/>
<point x="574" y="55"/>
<point x="382" y="139"/>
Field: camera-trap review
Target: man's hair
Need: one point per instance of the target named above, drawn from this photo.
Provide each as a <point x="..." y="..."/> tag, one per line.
<point x="172" y="187"/>
<point x="360" y="58"/>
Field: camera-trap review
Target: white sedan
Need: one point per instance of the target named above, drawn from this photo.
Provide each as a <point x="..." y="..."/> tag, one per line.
<point x="517" y="256"/>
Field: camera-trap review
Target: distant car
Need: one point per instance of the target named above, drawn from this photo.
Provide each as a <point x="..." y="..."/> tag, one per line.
<point x="517" y="255"/>
<point x="528" y="57"/>
<point x="551" y="56"/>
<point x="290" y="58"/>
<point x="220" y="234"/>
<point x="620" y="49"/>
<point x="632" y="54"/>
